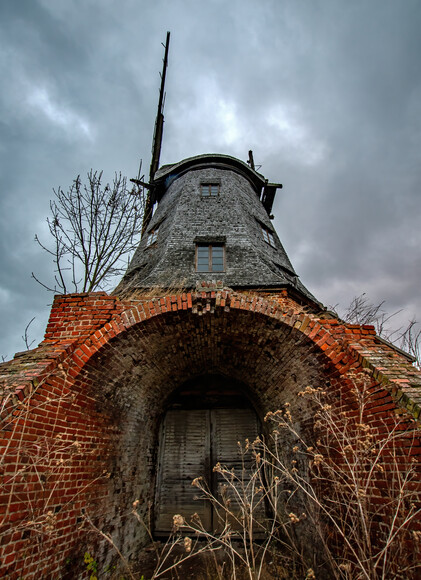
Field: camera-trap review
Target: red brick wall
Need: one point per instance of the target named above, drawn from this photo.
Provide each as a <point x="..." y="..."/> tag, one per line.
<point x="56" y="446"/>
<point x="77" y="316"/>
<point x="88" y="401"/>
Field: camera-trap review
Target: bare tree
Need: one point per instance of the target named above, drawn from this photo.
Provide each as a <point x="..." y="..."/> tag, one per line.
<point x="362" y="311"/>
<point x="410" y="340"/>
<point x="94" y="229"/>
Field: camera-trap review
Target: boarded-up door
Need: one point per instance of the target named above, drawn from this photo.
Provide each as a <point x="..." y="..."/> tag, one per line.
<point x="192" y="442"/>
<point x="230" y="429"/>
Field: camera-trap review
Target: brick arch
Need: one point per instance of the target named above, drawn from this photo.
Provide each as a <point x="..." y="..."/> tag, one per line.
<point x="170" y="345"/>
<point x="276" y="347"/>
<point x="121" y="359"/>
<point x="343" y="345"/>
<point x="135" y="368"/>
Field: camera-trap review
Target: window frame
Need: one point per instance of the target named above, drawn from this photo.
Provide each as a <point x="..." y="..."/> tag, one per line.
<point x="209" y="185"/>
<point x="153" y="234"/>
<point x="268" y="235"/>
<point x="210" y="246"/>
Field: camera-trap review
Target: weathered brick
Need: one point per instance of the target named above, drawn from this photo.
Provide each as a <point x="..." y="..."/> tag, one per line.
<point x="101" y="402"/>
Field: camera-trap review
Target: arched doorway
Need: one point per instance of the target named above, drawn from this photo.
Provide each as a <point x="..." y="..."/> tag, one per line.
<point x="204" y="421"/>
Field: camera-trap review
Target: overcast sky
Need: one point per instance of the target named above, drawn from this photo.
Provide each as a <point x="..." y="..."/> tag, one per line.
<point x="327" y="94"/>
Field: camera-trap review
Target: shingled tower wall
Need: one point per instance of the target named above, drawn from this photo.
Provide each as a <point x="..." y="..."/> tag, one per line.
<point x="211" y="199"/>
<point x="82" y="413"/>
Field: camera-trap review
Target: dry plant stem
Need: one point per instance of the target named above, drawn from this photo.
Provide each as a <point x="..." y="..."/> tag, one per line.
<point x="44" y="455"/>
<point x="240" y="507"/>
<point x="302" y="485"/>
<point x="38" y="470"/>
<point x="20" y="424"/>
<point x="215" y="542"/>
<point x="111" y="542"/>
<point x="363" y="481"/>
<point x="347" y="460"/>
<point x="170" y="546"/>
<point x="146" y="527"/>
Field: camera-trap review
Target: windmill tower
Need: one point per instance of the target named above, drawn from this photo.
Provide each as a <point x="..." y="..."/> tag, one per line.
<point x="133" y="394"/>
<point x="210" y="231"/>
<point x="207" y="227"/>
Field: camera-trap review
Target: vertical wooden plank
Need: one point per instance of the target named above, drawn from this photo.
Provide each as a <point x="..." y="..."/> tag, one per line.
<point x="231" y="427"/>
<point x="184" y="455"/>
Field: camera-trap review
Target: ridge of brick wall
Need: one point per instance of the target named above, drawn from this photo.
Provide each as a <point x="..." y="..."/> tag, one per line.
<point x="95" y="318"/>
<point x="77" y="316"/>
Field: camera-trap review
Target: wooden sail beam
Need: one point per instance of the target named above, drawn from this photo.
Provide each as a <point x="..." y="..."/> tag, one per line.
<point x="157" y="141"/>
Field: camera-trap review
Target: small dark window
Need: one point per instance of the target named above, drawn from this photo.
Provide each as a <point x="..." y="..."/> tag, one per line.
<point x="152" y="236"/>
<point x="268" y="236"/>
<point x="210" y="258"/>
<point x="209" y="189"/>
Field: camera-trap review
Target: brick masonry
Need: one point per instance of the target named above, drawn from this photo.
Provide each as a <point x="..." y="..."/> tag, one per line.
<point x="81" y="412"/>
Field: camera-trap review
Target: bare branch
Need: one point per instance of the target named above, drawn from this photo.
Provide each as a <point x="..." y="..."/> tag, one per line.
<point x="361" y="311"/>
<point x="410" y="340"/>
<point x="94" y="229"/>
<point x="25" y="337"/>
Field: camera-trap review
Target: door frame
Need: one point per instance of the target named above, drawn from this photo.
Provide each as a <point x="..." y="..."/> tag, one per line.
<point x="207" y="392"/>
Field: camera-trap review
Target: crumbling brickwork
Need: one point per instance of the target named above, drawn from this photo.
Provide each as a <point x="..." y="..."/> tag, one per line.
<point x="81" y="412"/>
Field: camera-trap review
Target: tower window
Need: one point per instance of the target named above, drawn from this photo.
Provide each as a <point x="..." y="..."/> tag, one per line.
<point x="152" y="236"/>
<point x="268" y="236"/>
<point x="209" y="189"/>
<point x="210" y="258"/>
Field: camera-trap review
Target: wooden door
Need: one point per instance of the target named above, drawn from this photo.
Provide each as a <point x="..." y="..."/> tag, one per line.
<point x="183" y="456"/>
<point x="230" y="429"/>
<point x="192" y="442"/>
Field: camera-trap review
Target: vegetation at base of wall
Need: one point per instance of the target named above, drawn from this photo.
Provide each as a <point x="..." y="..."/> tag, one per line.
<point x="34" y="467"/>
<point x="341" y="504"/>
<point x="91" y="566"/>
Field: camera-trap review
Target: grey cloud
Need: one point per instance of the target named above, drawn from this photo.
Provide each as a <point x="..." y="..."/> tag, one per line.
<point x="326" y="93"/>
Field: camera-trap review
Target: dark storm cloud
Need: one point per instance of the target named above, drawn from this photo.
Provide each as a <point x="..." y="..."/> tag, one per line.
<point x="327" y="93"/>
